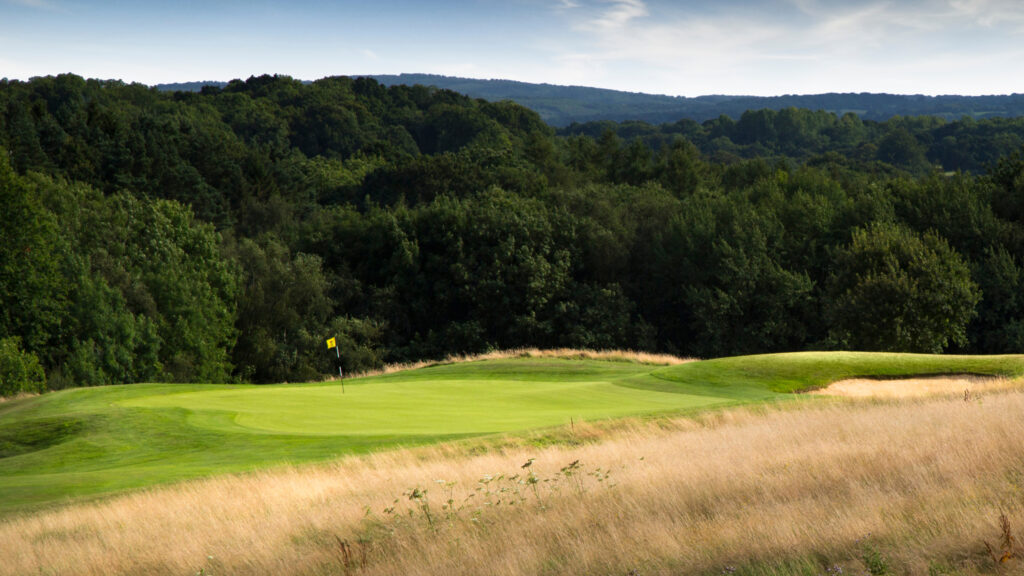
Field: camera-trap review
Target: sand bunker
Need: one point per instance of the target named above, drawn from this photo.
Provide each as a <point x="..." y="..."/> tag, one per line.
<point x="905" y="388"/>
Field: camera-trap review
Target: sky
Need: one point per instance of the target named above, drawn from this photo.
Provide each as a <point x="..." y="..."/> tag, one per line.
<point x="683" y="48"/>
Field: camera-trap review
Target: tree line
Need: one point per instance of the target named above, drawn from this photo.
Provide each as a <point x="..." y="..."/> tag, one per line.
<point x="223" y="235"/>
<point x="918" y="145"/>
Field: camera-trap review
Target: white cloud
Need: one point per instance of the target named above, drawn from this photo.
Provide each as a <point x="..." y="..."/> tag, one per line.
<point x="920" y="14"/>
<point x="790" y="45"/>
<point x="988" y="13"/>
<point x="619" y="14"/>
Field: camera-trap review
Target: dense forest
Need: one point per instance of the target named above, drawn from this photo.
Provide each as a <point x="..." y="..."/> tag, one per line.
<point x="222" y="235"/>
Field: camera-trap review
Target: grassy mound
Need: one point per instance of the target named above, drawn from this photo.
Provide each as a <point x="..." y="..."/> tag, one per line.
<point x="139" y="435"/>
<point x="804" y="371"/>
<point x="88" y="442"/>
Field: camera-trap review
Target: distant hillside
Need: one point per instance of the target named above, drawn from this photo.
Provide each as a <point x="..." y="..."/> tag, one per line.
<point x="189" y="86"/>
<point x="562" y="105"/>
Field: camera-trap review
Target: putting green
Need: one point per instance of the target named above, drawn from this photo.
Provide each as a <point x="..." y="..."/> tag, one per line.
<point x="423" y="407"/>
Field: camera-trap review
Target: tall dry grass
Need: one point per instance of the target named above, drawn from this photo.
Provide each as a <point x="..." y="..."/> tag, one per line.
<point x="18" y="396"/>
<point x="922" y="481"/>
<point x="566" y="353"/>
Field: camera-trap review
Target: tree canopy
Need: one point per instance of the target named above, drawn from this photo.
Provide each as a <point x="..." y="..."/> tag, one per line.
<point x="222" y="235"/>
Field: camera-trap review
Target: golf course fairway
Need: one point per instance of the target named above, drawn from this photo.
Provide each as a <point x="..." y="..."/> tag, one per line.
<point x="89" y="442"/>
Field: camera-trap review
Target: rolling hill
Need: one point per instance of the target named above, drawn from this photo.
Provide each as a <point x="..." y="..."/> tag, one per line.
<point x="561" y="106"/>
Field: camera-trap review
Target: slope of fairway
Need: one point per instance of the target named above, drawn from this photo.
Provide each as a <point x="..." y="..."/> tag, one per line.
<point x="803" y="371"/>
<point x="95" y="441"/>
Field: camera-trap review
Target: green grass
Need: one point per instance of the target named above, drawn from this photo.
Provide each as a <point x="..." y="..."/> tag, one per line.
<point x="803" y="371"/>
<point x="94" y="441"/>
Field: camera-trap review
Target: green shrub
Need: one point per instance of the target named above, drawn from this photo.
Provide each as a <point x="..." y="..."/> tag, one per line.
<point x="20" y="371"/>
<point x="874" y="561"/>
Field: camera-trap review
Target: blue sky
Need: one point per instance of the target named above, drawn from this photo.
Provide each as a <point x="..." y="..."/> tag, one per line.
<point x="760" y="47"/>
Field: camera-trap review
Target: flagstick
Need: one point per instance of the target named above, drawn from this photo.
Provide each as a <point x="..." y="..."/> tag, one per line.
<point x="333" y="343"/>
<point x="340" y="375"/>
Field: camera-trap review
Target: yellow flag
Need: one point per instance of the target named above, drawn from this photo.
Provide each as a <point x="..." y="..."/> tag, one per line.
<point x="331" y="343"/>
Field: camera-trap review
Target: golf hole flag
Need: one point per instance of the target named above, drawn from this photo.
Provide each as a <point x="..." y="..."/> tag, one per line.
<point x="331" y="343"/>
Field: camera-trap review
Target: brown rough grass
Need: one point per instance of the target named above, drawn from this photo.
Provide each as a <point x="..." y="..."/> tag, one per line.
<point x="911" y="387"/>
<point x="567" y="353"/>
<point x="18" y="396"/>
<point x="923" y="481"/>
